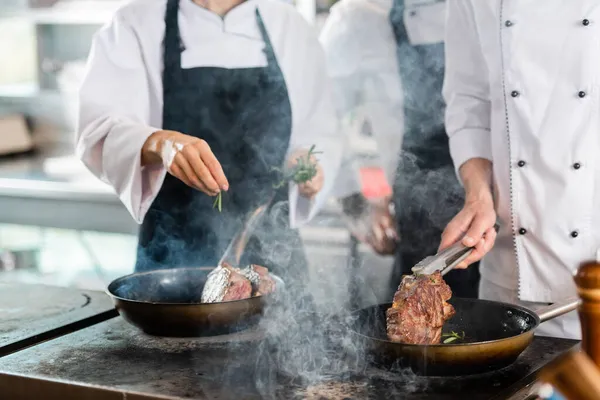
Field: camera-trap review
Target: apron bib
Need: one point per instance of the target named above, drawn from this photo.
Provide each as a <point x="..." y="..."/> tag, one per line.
<point x="427" y="194"/>
<point x="245" y="116"/>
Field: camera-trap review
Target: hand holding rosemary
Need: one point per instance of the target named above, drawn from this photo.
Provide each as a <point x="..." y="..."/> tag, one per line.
<point x="305" y="169"/>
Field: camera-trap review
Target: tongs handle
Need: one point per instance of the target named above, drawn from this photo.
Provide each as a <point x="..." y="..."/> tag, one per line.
<point x="236" y="247"/>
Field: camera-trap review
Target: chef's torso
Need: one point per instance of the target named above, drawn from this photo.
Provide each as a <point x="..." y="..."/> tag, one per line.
<point x="543" y="61"/>
<point x="233" y="41"/>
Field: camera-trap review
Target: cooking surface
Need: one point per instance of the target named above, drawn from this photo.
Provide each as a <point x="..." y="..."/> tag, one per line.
<point x="120" y="358"/>
<point x="32" y="313"/>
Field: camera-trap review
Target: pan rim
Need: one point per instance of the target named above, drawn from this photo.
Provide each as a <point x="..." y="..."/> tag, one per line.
<point x="448" y="345"/>
<point x="110" y="287"/>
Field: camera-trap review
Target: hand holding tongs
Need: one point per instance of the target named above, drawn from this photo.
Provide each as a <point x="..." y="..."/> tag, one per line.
<point x="446" y="260"/>
<point x="236" y="248"/>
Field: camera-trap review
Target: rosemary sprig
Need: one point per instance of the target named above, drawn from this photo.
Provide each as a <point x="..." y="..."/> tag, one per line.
<point x="453" y="336"/>
<point x="304" y="170"/>
<point x="218" y="202"/>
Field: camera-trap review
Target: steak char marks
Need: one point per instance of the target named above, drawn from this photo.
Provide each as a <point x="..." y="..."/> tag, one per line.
<point x="419" y="310"/>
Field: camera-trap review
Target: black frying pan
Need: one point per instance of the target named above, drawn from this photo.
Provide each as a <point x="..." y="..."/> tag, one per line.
<point x="495" y="335"/>
<point x="167" y="303"/>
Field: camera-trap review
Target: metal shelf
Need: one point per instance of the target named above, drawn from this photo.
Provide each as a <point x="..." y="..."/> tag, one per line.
<point x="87" y="12"/>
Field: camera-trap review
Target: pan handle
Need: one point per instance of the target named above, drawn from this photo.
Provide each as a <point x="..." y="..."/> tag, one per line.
<point x="558" y="309"/>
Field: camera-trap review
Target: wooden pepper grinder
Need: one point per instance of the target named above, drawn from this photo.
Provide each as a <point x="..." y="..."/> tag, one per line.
<point x="574" y="375"/>
<point x="588" y="286"/>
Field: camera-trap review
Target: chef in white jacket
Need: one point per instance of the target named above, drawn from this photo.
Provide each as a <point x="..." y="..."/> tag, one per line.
<point x="184" y="100"/>
<point x="524" y="126"/>
<point x="386" y="60"/>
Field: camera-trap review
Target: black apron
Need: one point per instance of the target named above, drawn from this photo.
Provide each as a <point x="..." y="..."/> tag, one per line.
<point x="427" y="193"/>
<point x="245" y="116"/>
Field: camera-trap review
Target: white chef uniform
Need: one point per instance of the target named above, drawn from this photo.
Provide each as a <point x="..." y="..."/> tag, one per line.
<point x="121" y="96"/>
<point x="522" y="90"/>
<point x="360" y="50"/>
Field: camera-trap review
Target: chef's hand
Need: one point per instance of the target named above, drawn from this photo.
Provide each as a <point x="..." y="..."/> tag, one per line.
<point x="383" y="236"/>
<point x="187" y="158"/>
<point x="311" y="188"/>
<point x="474" y="224"/>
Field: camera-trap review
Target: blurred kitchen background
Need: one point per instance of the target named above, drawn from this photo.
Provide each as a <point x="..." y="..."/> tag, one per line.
<point x="60" y="225"/>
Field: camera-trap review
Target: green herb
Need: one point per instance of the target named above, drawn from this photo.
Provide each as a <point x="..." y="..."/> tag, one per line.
<point x="453" y="336"/>
<point x="218" y="202"/>
<point x="304" y="170"/>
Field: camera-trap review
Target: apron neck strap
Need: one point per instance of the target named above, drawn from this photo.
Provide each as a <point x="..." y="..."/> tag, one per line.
<point x="269" y="52"/>
<point x="173" y="46"/>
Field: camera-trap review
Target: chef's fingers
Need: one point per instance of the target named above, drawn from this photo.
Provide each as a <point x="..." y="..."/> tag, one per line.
<point x="481" y="248"/>
<point x="213" y="165"/>
<point x="456" y="228"/>
<point x="484" y="220"/>
<point x="490" y="239"/>
<point x="178" y="173"/>
<point x="192" y="179"/>
<point x="194" y="158"/>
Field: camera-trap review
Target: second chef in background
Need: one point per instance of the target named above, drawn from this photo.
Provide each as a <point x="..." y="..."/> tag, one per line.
<point x="185" y="99"/>
<point x="386" y="59"/>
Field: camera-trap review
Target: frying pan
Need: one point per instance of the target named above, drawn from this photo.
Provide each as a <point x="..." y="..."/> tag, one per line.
<point x="167" y="303"/>
<point x="495" y="335"/>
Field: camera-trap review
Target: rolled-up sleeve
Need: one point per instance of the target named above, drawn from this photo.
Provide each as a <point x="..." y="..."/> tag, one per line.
<point x="114" y="118"/>
<point x="466" y="87"/>
<point x="315" y="123"/>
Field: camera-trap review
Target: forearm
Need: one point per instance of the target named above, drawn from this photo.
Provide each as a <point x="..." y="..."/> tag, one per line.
<point x="476" y="175"/>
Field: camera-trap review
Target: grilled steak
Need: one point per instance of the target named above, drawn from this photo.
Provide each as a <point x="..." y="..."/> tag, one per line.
<point x="262" y="282"/>
<point x="226" y="283"/>
<point x="419" y="310"/>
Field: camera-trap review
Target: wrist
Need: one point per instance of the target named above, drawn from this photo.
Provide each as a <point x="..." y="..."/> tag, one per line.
<point x="152" y="149"/>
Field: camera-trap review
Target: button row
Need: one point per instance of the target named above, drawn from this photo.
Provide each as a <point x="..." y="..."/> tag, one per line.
<point x="581" y="94"/>
<point x="508" y="23"/>
<point x="523" y="231"/>
<point x="522" y="163"/>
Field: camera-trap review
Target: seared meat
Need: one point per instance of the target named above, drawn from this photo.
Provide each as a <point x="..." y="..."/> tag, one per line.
<point x="262" y="282"/>
<point x="226" y="283"/>
<point x="419" y="310"/>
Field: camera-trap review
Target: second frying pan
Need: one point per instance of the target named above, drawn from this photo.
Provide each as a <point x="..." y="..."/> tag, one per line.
<point x="495" y="334"/>
<point x="167" y="303"/>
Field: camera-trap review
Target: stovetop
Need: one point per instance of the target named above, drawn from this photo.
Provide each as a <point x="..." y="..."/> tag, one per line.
<point x="114" y="357"/>
<point x="30" y="314"/>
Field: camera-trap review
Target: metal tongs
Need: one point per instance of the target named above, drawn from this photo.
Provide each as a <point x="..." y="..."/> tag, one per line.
<point x="236" y="247"/>
<point x="446" y="260"/>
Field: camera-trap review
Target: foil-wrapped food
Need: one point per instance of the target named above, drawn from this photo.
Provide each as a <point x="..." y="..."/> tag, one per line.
<point x="226" y="283"/>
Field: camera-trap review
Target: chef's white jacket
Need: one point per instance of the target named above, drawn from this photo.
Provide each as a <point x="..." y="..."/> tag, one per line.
<point x="360" y="49"/>
<point x="121" y="97"/>
<point x="522" y="90"/>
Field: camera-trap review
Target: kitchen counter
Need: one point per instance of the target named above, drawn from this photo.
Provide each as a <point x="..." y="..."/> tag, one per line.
<point x="68" y="199"/>
<point x="113" y="360"/>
